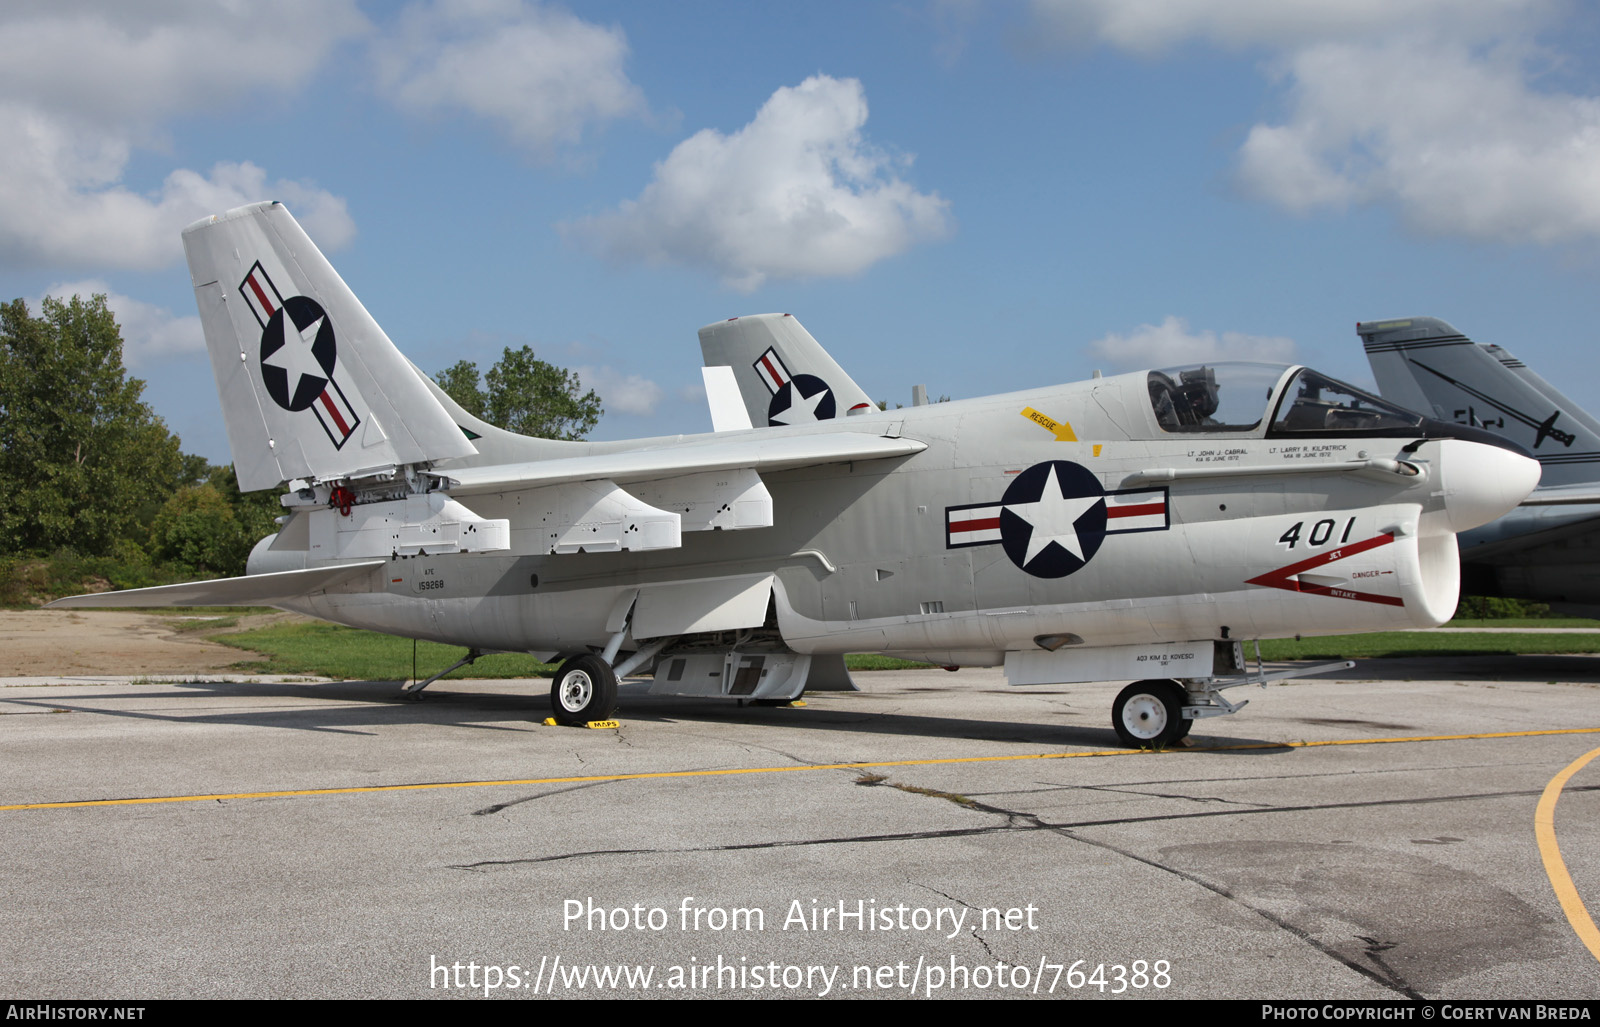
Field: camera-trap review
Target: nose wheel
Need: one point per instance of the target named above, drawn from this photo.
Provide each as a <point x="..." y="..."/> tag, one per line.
<point x="1149" y="714"/>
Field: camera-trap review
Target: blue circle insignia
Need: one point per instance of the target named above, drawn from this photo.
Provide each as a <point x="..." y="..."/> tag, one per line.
<point x="1053" y="518"/>
<point x="801" y="400"/>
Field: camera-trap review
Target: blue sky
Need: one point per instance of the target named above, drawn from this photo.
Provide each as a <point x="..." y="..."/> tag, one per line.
<point x="976" y="196"/>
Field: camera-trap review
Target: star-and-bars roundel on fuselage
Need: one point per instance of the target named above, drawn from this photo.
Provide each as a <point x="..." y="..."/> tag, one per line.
<point x="299" y="356"/>
<point x="1054" y="517"/>
<point x="796" y="399"/>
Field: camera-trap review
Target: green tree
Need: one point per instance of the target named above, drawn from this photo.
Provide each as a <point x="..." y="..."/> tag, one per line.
<point x="524" y="394"/>
<point x="197" y="528"/>
<point x="462" y="383"/>
<point x="80" y="453"/>
<point x="257" y="512"/>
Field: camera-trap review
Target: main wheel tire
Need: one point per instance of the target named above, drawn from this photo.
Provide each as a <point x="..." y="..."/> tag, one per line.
<point x="1149" y="714"/>
<point x="584" y="689"/>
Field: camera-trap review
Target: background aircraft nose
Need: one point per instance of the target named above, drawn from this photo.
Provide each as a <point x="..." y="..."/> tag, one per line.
<point x="1481" y="482"/>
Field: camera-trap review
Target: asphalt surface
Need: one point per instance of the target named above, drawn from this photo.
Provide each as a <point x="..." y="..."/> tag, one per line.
<point x="1000" y="844"/>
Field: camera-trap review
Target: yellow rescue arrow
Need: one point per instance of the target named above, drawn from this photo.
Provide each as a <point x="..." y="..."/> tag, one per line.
<point x="1060" y="429"/>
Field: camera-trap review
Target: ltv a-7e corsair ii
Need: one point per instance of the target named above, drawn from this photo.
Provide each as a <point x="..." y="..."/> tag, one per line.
<point x="1136" y="526"/>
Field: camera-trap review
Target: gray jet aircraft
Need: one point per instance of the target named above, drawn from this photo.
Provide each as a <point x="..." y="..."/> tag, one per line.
<point x="1138" y="526"/>
<point x="1548" y="548"/>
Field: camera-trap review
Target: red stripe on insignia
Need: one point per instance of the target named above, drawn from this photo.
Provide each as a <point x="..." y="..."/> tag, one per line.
<point x="767" y="363"/>
<point x="333" y="411"/>
<point x="983" y="524"/>
<point x="261" y="295"/>
<point x="1141" y="510"/>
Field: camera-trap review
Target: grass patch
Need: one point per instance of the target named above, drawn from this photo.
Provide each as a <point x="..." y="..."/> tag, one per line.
<point x="1523" y="622"/>
<point x="935" y="793"/>
<point x="329" y="650"/>
<point x="872" y="661"/>
<point x="1423" y="643"/>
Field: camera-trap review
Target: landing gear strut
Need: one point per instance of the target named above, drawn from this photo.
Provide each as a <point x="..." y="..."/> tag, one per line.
<point x="584" y="689"/>
<point x="1154" y="714"/>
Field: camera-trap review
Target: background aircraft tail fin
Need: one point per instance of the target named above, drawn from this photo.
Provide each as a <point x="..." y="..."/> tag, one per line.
<point x="1425" y="364"/>
<point x="311" y="386"/>
<point x="784" y="375"/>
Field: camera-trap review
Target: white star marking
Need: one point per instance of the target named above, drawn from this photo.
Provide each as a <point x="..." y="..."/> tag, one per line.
<point x="295" y="356"/>
<point x="1053" y="518"/>
<point x="800" y="410"/>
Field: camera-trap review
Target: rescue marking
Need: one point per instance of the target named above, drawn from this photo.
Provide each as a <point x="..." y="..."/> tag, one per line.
<point x="1544" y="829"/>
<point x="738" y="771"/>
<point x="1062" y="430"/>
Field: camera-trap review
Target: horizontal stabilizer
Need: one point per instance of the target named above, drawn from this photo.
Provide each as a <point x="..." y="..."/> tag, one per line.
<point x="756" y="452"/>
<point x="251" y="590"/>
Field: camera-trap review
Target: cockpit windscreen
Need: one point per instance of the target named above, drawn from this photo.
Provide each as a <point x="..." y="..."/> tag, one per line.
<point x="1316" y="403"/>
<point x="1214" y="397"/>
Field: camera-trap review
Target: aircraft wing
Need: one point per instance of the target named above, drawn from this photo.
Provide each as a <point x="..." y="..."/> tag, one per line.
<point x="755" y="453"/>
<point x="635" y="499"/>
<point x="1565" y="495"/>
<point x="252" y="590"/>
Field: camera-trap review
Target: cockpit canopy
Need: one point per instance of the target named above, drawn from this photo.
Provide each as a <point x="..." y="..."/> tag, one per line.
<point x="1239" y="397"/>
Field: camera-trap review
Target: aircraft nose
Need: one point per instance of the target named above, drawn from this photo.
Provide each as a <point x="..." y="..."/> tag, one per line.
<point x="1482" y="482"/>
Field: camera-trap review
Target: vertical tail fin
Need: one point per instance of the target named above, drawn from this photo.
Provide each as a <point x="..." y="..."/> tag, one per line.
<point x="784" y="375"/>
<point x="1425" y="364"/>
<point x="311" y="387"/>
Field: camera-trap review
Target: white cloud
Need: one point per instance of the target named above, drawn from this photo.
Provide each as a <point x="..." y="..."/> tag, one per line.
<point x="1425" y="107"/>
<point x="61" y="204"/>
<point x="795" y="193"/>
<point x="621" y="393"/>
<point x="540" y="74"/>
<point x="114" y="63"/>
<point x="83" y="86"/>
<point x="1172" y="343"/>
<point x="1150" y="26"/>
<point x="149" y="333"/>
<point x="1458" y="144"/>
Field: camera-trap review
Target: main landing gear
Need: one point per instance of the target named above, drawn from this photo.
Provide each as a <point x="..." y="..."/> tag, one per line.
<point x="1157" y="713"/>
<point x="584" y="689"/>
<point x="1149" y="714"/>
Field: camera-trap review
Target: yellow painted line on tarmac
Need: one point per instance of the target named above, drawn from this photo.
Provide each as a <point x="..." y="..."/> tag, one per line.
<point x="732" y="771"/>
<point x="1544" y="829"/>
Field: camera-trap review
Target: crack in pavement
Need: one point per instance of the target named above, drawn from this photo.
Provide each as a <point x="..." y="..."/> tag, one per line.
<point x="1171" y="795"/>
<point x="1055" y="786"/>
<point x="899" y="836"/>
<point x="497" y="807"/>
<point x="1388" y="978"/>
<point x="974" y="932"/>
<point x="1421" y="801"/>
<point x="1380" y="972"/>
